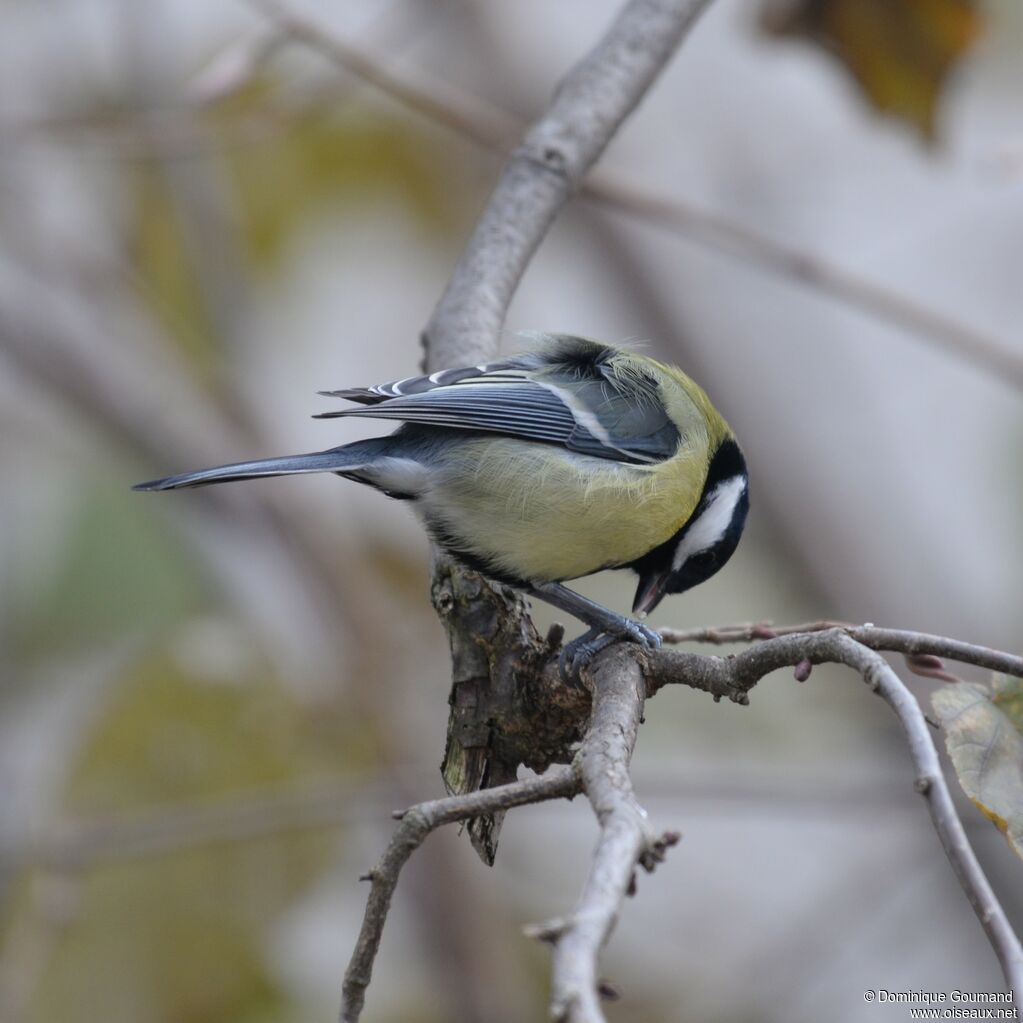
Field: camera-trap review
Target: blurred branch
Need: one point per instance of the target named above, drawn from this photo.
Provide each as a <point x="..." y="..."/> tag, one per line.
<point x="165" y="830"/>
<point x="89" y="842"/>
<point x="234" y="66"/>
<point x="294" y="26"/>
<point x="54" y="900"/>
<point x="142" y="400"/>
<point x="494" y="129"/>
<point x="544" y="169"/>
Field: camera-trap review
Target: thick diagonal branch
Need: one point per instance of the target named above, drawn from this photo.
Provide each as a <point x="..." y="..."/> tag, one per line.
<point x="589" y="106"/>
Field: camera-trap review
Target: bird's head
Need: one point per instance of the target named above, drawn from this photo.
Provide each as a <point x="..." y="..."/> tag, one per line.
<point x="706" y="541"/>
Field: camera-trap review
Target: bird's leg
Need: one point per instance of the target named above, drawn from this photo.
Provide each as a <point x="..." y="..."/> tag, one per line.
<point x="606" y="627"/>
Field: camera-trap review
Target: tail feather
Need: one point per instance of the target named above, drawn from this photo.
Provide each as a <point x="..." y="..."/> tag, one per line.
<point x="337" y="460"/>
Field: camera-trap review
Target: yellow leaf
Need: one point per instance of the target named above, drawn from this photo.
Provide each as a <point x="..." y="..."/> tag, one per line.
<point x="900" y="52"/>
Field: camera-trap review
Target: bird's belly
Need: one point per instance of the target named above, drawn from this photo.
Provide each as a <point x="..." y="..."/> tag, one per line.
<point x="542" y="512"/>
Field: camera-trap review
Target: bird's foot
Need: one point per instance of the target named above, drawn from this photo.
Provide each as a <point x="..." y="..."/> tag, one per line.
<point x="580" y="651"/>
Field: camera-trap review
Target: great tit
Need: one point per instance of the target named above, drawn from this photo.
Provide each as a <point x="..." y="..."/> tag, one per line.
<point x="553" y="464"/>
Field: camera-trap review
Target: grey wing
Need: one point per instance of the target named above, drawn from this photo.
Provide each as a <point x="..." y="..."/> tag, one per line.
<point x="589" y="413"/>
<point x="422" y="384"/>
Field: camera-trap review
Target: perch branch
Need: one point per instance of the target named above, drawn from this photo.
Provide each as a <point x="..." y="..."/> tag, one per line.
<point x="492" y="129"/>
<point x="625" y="839"/>
<point x="416" y="823"/>
<point x="901" y="641"/>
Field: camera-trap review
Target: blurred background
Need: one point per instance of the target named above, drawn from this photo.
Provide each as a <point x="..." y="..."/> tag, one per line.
<point x="210" y="701"/>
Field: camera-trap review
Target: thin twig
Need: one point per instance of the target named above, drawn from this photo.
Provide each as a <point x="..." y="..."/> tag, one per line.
<point x="470" y="125"/>
<point x="492" y="129"/>
<point x="900" y="641"/>
<point x="84" y="843"/>
<point x="735" y="676"/>
<point x="740" y="241"/>
<point x="931" y="784"/>
<point x="416" y="823"/>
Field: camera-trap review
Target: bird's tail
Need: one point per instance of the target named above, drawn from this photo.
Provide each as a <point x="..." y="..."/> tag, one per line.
<point x="344" y="459"/>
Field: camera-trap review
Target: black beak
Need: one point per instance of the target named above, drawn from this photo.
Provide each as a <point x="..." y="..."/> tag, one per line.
<point x="651" y="589"/>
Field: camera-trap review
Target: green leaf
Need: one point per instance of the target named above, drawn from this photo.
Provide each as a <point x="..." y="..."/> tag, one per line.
<point x="900" y="52"/>
<point x="985" y="741"/>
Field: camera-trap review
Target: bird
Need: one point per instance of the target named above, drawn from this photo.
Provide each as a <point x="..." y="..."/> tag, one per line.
<point x="566" y="459"/>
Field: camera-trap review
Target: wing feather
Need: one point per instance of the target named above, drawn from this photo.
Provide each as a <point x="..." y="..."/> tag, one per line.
<point x="586" y="407"/>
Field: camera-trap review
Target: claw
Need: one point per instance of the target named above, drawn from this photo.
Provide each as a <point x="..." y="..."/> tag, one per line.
<point x="581" y="650"/>
<point x="578" y="653"/>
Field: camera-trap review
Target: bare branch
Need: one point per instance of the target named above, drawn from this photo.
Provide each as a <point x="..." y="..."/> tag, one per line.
<point x="751" y="246"/>
<point x="736" y="675"/>
<point x="625" y="839"/>
<point x="589" y="106"/>
<point x="931" y="784"/>
<point x="492" y="129"/>
<point x="416" y="823"/>
<point x="234" y="67"/>
<point x="901" y="641"/>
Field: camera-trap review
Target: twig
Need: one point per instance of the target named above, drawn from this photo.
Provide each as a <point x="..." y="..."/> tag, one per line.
<point x="625" y="840"/>
<point x="492" y="129"/>
<point x="80" y="844"/>
<point x="416" y="823"/>
<point x="930" y="783"/>
<point x="901" y="641"/>
<point x="751" y="246"/>
<point x="444" y="111"/>
<point x="736" y="675"/>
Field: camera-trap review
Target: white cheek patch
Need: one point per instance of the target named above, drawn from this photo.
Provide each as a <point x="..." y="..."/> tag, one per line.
<point x="713" y="522"/>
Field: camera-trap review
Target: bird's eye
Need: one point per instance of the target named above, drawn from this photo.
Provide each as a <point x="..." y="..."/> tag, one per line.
<point x="705" y="559"/>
